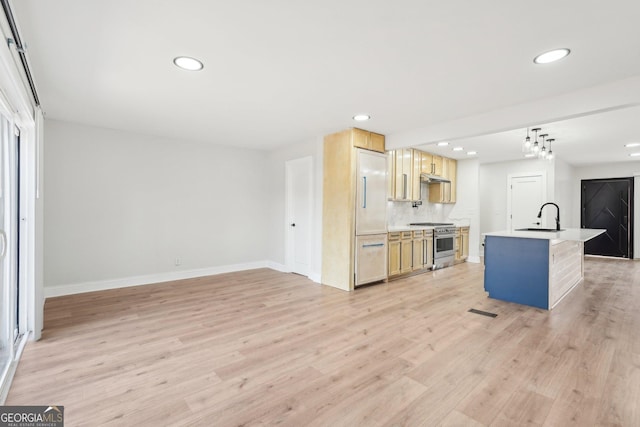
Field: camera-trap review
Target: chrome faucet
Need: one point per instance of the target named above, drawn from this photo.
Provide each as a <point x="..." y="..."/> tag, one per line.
<point x="557" y="217"/>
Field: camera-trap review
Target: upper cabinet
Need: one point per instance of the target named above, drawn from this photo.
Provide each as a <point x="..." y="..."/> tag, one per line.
<point x="404" y="175"/>
<point x="445" y="192"/>
<point x="405" y="167"/>
<point x="368" y="140"/>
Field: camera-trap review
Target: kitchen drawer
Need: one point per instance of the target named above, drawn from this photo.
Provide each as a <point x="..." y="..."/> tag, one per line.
<point x="371" y="258"/>
<point x="428" y="233"/>
<point x="407" y="235"/>
<point x="418" y="234"/>
<point x="394" y="236"/>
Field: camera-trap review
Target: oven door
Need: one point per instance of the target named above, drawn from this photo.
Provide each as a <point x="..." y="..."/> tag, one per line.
<point x="443" y="246"/>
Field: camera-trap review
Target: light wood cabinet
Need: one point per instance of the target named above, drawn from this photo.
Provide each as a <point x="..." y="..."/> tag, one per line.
<point x="418" y="250"/>
<point x="461" y="244"/>
<point x="394" y="254"/>
<point x="402" y="165"/>
<point x="426" y="162"/>
<point x="445" y="192"/>
<point x="428" y="249"/>
<point x="410" y="251"/>
<point x="400" y="252"/>
<point x="464" y="242"/>
<point x="340" y="184"/>
<point x="437" y="162"/>
<point x="452" y="173"/>
<point x="406" y="252"/>
<point x="457" y="246"/>
<point x="432" y="164"/>
<point x="368" y="140"/>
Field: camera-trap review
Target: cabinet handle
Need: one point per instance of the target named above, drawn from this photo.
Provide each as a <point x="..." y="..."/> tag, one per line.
<point x="404" y="185"/>
<point x="364" y="193"/>
<point x="4" y="244"/>
<point x="373" y="245"/>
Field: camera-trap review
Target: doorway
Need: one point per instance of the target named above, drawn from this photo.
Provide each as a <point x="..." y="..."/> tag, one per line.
<point x="11" y="295"/>
<point x="606" y="204"/>
<point x="525" y="194"/>
<point x="299" y="204"/>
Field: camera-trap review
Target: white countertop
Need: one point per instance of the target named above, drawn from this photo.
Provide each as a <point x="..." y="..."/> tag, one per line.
<point x="573" y="234"/>
<point x="397" y="228"/>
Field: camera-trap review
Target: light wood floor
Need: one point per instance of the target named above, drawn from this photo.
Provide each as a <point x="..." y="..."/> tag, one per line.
<point x="266" y="348"/>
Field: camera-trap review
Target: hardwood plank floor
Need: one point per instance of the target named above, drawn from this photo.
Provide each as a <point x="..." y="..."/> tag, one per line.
<point x="267" y="348"/>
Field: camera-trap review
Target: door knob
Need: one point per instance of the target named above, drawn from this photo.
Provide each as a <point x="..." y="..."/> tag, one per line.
<point x="293" y="225"/>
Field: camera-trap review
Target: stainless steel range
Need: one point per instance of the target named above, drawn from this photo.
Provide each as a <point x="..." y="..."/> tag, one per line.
<point x="444" y="236"/>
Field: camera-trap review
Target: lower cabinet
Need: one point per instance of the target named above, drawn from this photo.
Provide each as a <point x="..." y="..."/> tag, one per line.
<point x="418" y="250"/>
<point x="428" y="249"/>
<point x="410" y="251"/>
<point x="394" y="254"/>
<point x="406" y="252"/>
<point x="461" y="244"/>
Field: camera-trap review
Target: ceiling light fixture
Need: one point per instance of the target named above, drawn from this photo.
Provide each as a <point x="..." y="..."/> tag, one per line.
<point x="543" y="150"/>
<point x="536" y="149"/>
<point x="187" y="63"/>
<point x="632" y="144"/>
<point x="471" y="153"/>
<point x="361" y="117"/>
<point x="550" y="153"/>
<point x="551" y="56"/>
<point x="443" y="144"/>
<point x="458" y="149"/>
<point x="526" y="145"/>
<point x="634" y="154"/>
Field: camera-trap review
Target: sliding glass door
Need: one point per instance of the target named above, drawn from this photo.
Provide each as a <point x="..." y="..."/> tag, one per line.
<point x="9" y="210"/>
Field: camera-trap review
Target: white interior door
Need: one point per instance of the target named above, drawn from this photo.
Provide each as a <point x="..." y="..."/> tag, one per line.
<point x="299" y="194"/>
<point x="526" y="194"/>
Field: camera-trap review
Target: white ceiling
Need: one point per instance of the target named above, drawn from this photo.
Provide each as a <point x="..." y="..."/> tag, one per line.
<point x="285" y="71"/>
<point x="591" y="139"/>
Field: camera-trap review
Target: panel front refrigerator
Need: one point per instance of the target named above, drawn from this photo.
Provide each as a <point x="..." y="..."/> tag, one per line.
<point x="371" y="217"/>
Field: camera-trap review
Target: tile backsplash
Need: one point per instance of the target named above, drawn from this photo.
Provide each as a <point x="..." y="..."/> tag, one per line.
<point x="402" y="213"/>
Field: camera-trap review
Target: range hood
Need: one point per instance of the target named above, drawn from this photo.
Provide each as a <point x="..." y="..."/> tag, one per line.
<point x="428" y="178"/>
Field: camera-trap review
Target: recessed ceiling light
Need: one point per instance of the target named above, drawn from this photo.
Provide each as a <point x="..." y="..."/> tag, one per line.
<point x="471" y="153"/>
<point x="458" y="148"/>
<point x="632" y="144"/>
<point x="443" y="144"/>
<point x="551" y="56"/>
<point x="530" y="155"/>
<point x="189" y="64"/>
<point x="361" y="117"/>
<point x="634" y="154"/>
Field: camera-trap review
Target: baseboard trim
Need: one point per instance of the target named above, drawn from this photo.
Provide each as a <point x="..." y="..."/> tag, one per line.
<point x="103" y="285"/>
<point x="315" y="277"/>
<point x="475" y="259"/>
<point x="278" y="267"/>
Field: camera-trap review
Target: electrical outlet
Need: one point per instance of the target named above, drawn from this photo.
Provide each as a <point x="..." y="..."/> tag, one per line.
<point x="178" y="262"/>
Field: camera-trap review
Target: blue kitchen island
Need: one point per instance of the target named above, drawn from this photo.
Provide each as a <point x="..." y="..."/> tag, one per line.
<point x="535" y="268"/>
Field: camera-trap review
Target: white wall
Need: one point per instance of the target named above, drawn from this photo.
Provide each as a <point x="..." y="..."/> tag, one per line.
<point x="493" y="189"/>
<point x="610" y="170"/>
<point x="276" y="161"/>
<point x="467" y="207"/>
<point x="564" y="193"/>
<point x="121" y="207"/>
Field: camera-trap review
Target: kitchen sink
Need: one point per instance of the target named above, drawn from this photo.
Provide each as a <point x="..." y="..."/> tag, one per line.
<point x="538" y="229"/>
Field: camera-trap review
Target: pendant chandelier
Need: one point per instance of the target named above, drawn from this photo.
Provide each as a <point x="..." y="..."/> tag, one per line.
<point x="536" y="148"/>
